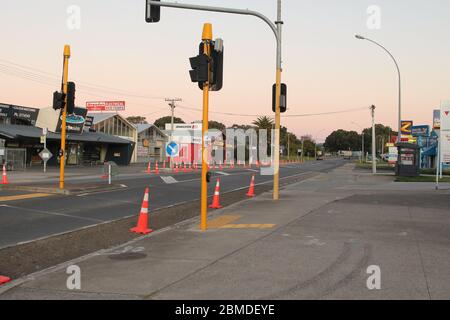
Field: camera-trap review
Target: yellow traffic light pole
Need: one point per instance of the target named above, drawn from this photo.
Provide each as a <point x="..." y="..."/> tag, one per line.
<point x="206" y="38"/>
<point x="64" y="116"/>
<point x="277" y="30"/>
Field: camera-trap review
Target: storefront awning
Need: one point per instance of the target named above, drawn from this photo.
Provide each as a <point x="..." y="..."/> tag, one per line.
<point x="30" y="132"/>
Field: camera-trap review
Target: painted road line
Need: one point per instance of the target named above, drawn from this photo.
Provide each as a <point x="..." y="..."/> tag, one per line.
<point x="51" y="213"/>
<point x="222" y="173"/>
<point x="248" y="226"/>
<point x="222" y="221"/>
<point x="169" y="179"/>
<point x="24" y="197"/>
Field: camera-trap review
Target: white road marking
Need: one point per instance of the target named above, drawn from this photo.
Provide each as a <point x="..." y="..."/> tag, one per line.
<point x="169" y="180"/>
<point x="52" y="213"/>
<point x="222" y="173"/>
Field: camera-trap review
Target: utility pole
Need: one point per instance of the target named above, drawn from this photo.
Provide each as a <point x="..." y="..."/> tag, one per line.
<point x="303" y="149"/>
<point x="64" y="116"/>
<point x="172" y="108"/>
<point x="288" y="147"/>
<point x="206" y="38"/>
<point x="374" y="155"/>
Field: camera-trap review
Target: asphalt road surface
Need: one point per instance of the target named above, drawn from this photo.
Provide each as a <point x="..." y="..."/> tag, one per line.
<point x="25" y="219"/>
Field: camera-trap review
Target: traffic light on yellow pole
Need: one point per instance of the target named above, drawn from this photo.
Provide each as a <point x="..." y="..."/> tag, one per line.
<point x="206" y="38"/>
<point x="64" y="115"/>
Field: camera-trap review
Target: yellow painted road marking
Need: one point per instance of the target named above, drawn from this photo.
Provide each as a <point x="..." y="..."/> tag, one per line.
<point x="221" y="221"/>
<point x="248" y="226"/>
<point x="24" y="196"/>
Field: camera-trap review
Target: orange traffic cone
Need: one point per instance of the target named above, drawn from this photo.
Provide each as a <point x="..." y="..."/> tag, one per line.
<point x="142" y="225"/>
<point x="177" y="168"/>
<point x="156" y="168"/>
<point x="4" y="177"/>
<point x="216" y="198"/>
<point x="149" y="169"/>
<point x="4" y="280"/>
<point x="251" y="190"/>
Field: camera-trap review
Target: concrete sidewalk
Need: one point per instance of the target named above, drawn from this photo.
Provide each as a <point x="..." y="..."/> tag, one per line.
<point x="315" y="243"/>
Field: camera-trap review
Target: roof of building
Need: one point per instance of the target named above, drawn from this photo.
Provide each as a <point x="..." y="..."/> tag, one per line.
<point x="145" y="126"/>
<point x="17" y="131"/>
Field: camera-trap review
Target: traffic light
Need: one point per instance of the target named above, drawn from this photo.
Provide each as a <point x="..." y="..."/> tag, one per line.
<point x="152" y="13"/>
<point x="70" y="97"/>
<point x="59" y="100"/>
<point x="215" y="66"/>
<point x="283" y="98"/>
<point x="199" y="64"/>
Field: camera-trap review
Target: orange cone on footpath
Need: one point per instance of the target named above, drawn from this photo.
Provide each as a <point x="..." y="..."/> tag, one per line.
<point x="149" y="169"/>
<point x="142" y="225"/>
<point x="216" y="198"/>
<point x="156" y="168"/>
<point x="4" y="280"/>
<point x="4" y="176"/>
<point x="251" y="190"/>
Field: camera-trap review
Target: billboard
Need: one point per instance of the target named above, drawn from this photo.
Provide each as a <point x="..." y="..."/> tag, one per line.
<point x="74" y="122"/>
<point x="19" y="114"/>
<point x="420" y="131"/>
<point x="436" y="119"/>
<point x="184" y="126"/>
<point x="406" y="130"/>
<point x="105" y="106"/>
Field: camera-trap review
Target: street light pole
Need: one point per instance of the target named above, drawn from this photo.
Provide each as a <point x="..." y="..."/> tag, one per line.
<point x="172" y="108"/>
<point x="374" y="154"/>
<point x="399" y="84"/>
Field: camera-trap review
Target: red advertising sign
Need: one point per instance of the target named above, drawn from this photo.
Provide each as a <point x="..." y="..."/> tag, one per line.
<point x="105" y="106"/>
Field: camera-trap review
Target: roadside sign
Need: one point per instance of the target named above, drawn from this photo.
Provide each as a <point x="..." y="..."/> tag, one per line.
<point x="45" y="154"/>
<point x="172" y="149"/>
<point x="105" y="106"/>
<point x="42" y="139"/>
<point x="445" y="132"/>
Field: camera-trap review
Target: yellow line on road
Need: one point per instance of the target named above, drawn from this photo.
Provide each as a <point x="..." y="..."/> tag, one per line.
<point x="24" y="196"/>
<point x="248" y="226"/>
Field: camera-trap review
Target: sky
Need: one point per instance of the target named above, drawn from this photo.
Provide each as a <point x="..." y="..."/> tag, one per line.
<point x="116" y="55"/>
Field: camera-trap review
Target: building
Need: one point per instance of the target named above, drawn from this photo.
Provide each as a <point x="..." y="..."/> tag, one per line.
<point x="115" y="125"/>
<point x="151" y="143"/>
<point x="21" y="139"/>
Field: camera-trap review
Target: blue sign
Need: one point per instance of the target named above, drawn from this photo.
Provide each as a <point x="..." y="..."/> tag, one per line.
<point x="172" y="149"/>
<point x="420" y="131"/>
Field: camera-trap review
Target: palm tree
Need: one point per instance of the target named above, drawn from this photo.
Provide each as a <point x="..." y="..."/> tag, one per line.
<point x="263" y="123"/>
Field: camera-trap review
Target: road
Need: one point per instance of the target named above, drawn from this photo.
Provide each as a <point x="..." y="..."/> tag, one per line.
<point x="26" y="217"/>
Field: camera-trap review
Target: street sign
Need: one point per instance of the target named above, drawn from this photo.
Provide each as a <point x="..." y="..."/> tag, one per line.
<point x="42" y="139"/>
<point x="45" y="154"/>
<point x="445" y="132"/>
<point x="172" y="149"/>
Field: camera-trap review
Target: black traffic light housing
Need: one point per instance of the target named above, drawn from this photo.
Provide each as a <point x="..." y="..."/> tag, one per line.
<point x="200" y="66"/>
<point x="152" y="13"/>
<point x="283" y="98"/>
<point x="59" y="100"/>
<point x="70" y="97"/>
<point x="199" y="72"/>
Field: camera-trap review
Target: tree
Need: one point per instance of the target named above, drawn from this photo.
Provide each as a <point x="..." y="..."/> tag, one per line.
<point x="216" y="125"/>
<point x="137" y="120"/>
<point x="161" y="122"/>
<point x="343" y="140"/>
<point x="263" y="123"/>
<point x="382" y="134"/>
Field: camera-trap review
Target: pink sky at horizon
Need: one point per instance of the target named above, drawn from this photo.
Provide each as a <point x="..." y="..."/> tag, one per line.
<point x="325" y="67"/>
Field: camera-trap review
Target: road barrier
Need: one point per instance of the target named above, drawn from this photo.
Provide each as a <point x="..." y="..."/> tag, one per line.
<point x="4" y="280"/>
<point x="251" y="190"/>
<point x="4" y="176"/>
<point x="216" y="199"/>
<point x="142" y="224"/>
